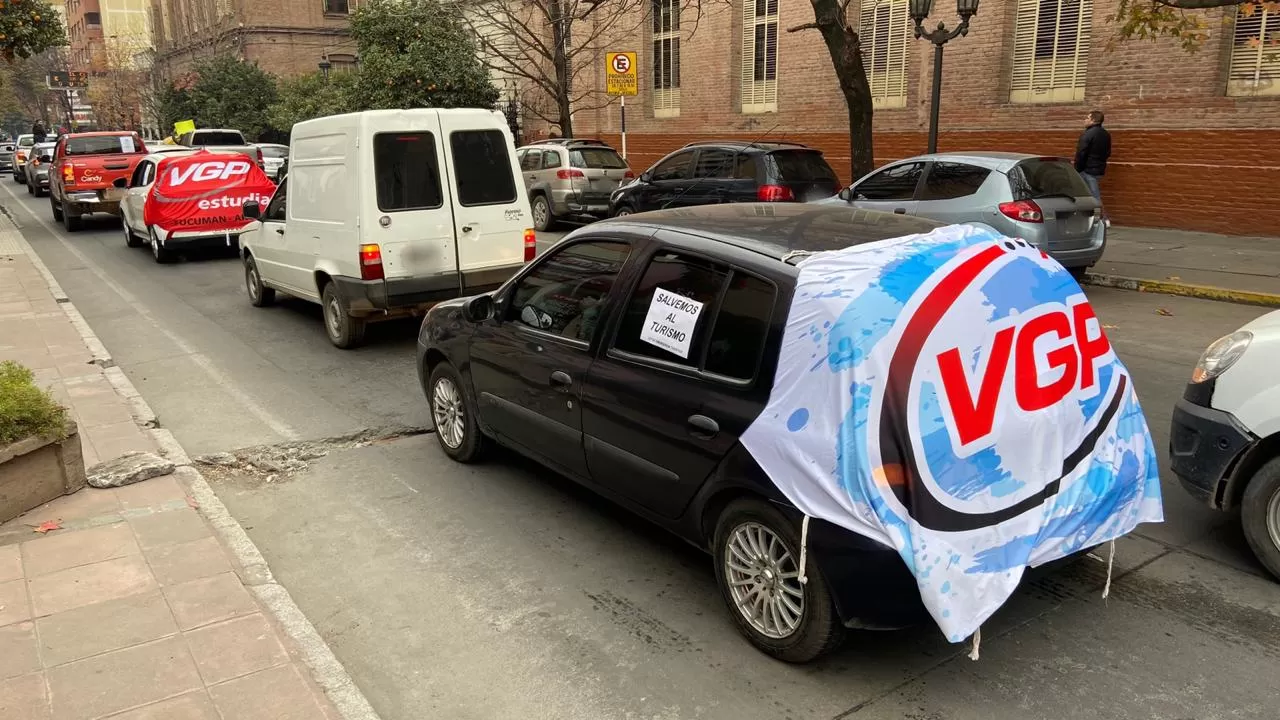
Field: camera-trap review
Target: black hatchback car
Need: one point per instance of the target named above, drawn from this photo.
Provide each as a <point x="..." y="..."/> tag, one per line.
<point x="552" y="365"/>
<point x="711" y="173"/>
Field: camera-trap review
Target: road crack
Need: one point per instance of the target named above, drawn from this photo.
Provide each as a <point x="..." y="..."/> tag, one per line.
<point x="278" y="462"/>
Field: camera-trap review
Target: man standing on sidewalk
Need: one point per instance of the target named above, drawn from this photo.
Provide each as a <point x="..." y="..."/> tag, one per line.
<point x="1092" y="152"/>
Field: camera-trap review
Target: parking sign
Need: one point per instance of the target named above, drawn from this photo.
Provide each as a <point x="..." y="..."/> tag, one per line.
<point x="620" y="73"/>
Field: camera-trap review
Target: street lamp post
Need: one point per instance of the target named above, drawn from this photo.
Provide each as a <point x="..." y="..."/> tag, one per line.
<point x="324" y="68"/>
<point x="939" y="36"/>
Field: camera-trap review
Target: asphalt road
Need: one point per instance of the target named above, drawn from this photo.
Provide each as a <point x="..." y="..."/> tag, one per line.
<point x="499" y="591"/>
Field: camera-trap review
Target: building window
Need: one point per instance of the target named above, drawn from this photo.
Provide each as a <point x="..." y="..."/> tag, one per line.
<point x="1051" y="50"/>
<point x="666" y="58"/>
<point x="336" y="7"/>
<point x="759" y="56"/>
<point x="1255" y="52"/>
<point x="884" y="28"/>
<point x="342" y="63"/>
<point x="92" y="18"/>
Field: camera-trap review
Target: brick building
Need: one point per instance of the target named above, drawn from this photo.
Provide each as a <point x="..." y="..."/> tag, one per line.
<point x="1196" y="136"/>
<point x="285" y="37"/>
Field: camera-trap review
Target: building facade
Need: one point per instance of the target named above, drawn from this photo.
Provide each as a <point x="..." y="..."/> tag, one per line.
<point x="285" y="37"/>
<point x="1194" y="135"/>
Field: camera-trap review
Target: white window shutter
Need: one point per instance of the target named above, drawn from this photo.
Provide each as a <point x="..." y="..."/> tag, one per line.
<point x="1255" y="53"/>
<point x="759" y="56"/>
<point x="1051" y="50"/>
<point x="666" y="57"/>
<point x="884" y="29"/>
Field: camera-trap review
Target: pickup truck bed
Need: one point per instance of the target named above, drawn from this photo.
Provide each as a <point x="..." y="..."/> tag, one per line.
<point x="84" y="167"/>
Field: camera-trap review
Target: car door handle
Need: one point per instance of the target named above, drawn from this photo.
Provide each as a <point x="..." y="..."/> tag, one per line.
<point x="899" y="211"/>
<point x="279" y="231"/>
<point x="561" y="378"/>
<point x="703" y="427"/>
<point x="466" y="228"/>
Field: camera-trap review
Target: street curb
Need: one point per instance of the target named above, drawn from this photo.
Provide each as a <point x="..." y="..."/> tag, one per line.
<point x="327" y="671"/>
<point x="1171" y="287"/>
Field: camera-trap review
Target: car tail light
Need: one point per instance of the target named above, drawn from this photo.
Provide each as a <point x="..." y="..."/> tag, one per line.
<point x="21" y="156"/>
<point x="775" y="193"/>
<point x="530" y="245"/>
<point x="258" y="151"/>
<point x="570" y="174"/>
<point x="1022" y="211"/>
<point x="628" y="175"/>
<point x="35" y="162"/>
<point x="371" y="262"/>
<point x="69" y="174"/>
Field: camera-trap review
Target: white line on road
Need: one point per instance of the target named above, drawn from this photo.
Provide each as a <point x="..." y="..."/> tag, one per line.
<point x="278" y="426"/>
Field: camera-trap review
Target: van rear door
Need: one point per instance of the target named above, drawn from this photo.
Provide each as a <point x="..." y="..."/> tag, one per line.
<point x="491" y="207"/>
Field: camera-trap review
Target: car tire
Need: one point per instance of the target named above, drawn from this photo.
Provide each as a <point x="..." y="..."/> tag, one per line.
<point x="259" y="294"/>
<point x="454" y="415"/>
<point x="130" y="238"/>
<point x="56" y="209"/>
<point x="1260" y="515"/>
<point x="158" y="251"/>
<point x="40" y="192"/>
<point x="344" y="331"/>
<point x="30" y="190"/>
<point x="623" y="211"/>
<point x="543" y="219"/>
<point x="73" y="223"/>
<point x="817" y="629"/>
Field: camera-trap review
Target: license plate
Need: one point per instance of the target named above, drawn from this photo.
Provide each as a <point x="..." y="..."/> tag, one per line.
<point x="113" y="194"/>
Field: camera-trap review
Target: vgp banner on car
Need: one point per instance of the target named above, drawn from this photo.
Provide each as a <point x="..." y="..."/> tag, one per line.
<point x="953" y="396"/>
<point x="204" y="192"/>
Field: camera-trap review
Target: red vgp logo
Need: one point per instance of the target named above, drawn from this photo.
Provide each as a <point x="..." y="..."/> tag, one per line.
<point x="1066" y="342"/>
<point x="207" y="171"/>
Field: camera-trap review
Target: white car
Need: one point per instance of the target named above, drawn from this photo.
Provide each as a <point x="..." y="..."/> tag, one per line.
<point x="273" y="157"/>
<point x="138" y="233"/>
<point x="1225" y="440"/>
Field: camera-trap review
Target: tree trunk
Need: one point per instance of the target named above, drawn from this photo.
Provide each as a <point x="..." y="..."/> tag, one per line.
<point x="846" y="57"/>
<point x="560" y="38"/>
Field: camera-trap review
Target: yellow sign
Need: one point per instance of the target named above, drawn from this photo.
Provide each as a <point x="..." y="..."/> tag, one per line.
<point x="182" y="127"/>
<point x="620" y="76"/>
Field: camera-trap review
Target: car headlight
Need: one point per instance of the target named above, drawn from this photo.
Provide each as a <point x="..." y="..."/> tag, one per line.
<point x="1221" y="355"/>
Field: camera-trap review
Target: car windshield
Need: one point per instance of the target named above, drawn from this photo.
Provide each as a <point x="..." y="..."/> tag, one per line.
<point x="1045" y="178"/>
<point x="102" y="145"/>
<point x="269" y="151"/>
<point x="803" y="165"/>
<point x="217" y="138"/>
<point x="597" y="157"/>
<point x="26" y="140"/>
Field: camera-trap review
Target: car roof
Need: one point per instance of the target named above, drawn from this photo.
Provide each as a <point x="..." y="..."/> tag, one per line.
<point x="100" y="133"/>
<point x="1001" y="161"/>
<point x="781" y="231"/>
<point x="769" y="146"/>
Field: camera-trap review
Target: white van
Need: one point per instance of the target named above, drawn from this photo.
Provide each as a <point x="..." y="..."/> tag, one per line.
<point x="386" y="212"/>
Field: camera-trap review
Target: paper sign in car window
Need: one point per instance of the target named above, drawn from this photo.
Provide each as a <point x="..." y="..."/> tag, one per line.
<point x="126" y="144"/>
<point x="671" y="321"/>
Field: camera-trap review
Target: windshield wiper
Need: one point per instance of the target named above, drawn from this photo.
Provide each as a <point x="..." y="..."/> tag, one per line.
<point x="1072" y="198"/>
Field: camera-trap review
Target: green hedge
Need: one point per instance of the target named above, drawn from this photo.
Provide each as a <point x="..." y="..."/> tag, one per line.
<point x="26" y="410"/>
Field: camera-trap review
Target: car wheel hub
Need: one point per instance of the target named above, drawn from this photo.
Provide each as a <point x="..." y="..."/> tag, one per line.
<point x="764" y="580"/>
<point x="252" y="280"/>
<point x="447" y="411"/>
<point x="334" y="317"/>
<point x="1273" y="519"/>
<point x="540" y="213"/>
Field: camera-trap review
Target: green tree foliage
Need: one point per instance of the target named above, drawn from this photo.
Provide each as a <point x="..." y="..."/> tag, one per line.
<point x="26" y="410"/>
<point x="312" y="96"/>
<point x="29" y="27"/>
<point x="417" y="53"/>
<point x="231" y="93"/>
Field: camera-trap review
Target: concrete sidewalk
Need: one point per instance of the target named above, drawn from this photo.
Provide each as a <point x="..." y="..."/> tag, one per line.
<point x="135" y="606"/>
<point x="1219" y="267"/>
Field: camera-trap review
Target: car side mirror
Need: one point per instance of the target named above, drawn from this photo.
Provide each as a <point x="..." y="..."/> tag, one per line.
<point x="478" y="309"/>
<point x="847" y="194"/>
<point x="120" y="183"/>
<point x="46" y="158"/>
<point x="646" y="176"/>
<point x="251" y="210"/>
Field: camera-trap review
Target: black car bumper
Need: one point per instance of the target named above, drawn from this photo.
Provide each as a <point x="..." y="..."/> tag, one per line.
<point x="870" y="584"/>
<point x="1204" y="445"/>
<point x="371" y="295"/>
<point x="202" y="242"/>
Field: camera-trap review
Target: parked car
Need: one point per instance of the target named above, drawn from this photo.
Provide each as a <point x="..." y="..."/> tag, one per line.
<point x="85" y="168"/>
<point x="7" y="150"/>
<point x="551" y="365"/>
<point x="273" y="159"/>
<point x="163" y="244"/>
<point x="1225" y="440"/>
<point x="22" y="153"/>
<point x="1042" y="200"/>
<point x="570" y="179"/>
<point x="708" y="173"/>
<point x="222" y="139"/>
<point x="391" y="211"/>
<point x="38" y="164"/>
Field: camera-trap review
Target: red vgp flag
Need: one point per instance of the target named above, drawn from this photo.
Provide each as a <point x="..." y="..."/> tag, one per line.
<point x="203" y="192"/>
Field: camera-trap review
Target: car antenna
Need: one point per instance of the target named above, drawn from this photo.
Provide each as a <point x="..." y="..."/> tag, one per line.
<point x="734" y="164"/>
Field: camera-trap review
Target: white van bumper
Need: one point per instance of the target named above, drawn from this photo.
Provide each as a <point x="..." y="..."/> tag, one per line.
<point x="370" y="296"/>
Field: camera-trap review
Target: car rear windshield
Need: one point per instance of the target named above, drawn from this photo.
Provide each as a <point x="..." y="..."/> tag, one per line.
<point x="275" y="152"/>
<point x="26" y="141"/>
<point x="1046" y="177"/>
<point x="803" y="165"/>
<point x="217" y="138"/>
<point x="103" y="145"/>
<point x="602" y="158"/>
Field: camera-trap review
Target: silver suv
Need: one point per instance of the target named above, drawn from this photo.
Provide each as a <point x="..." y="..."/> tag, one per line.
<point x="570" y="179"/>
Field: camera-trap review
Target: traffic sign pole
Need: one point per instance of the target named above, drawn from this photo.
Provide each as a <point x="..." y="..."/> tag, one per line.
<point x="623" y="99"/>
<point x="621" y="80"/>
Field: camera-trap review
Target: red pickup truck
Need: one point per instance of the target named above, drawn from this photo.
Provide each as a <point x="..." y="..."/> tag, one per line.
<point x="85" y="166"/>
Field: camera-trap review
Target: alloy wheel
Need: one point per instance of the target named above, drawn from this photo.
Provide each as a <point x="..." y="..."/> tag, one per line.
<point x="1273" y="518"/>
<point x="448" y="413"/>
<point x="540" y="213"/>
<point x="764" y="580"/>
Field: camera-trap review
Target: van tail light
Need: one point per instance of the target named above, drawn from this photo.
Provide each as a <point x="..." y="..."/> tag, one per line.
<point x="371" y="262"/>
<point x="570" y="174"/>
<point x="35" y="162"/>
<point x="1022" y="211"/>
<point x="628" y="175"/>
<point x="22" y="156"/>
<point x="530" y="245"/>
<point x="775" y="193"/>
<point x="69" y="174"/>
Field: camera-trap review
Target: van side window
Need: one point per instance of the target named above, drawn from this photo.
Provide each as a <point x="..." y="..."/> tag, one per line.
<point x="406" y="172"/>
<point x="482" y="167"/>
<point x="276" y="208"/>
